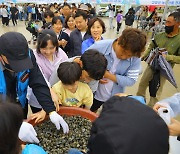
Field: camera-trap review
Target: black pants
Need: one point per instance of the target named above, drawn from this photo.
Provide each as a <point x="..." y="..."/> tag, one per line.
<point x="5" y="20"/>
<point x="14" y="20"/>
<point x="118" y="26"/>
<point x="96" y="105"/>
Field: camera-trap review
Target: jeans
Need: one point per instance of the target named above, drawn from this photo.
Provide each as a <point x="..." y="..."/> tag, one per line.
<point x="20" y="15"/>
<point x="111" y="23"/>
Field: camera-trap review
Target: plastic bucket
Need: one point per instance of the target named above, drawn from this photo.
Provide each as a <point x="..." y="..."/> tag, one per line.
<point x="70" y="111"/>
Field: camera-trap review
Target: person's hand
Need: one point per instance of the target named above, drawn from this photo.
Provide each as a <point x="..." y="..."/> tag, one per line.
<point x="60" y="43"/>
<point x="103" y="81"/>
<point x="97" y="38"/>
<point x="121" y="94"/>
<point x="27" y="133"/>
<point x="58" y="120"/>
<point x="39" y="116"/>
<point x="55" y="99"/>
<point x="157" y="106"/>
<point x="164" y="55"/>
<point x="64" y="42"/>
<point x="174" y="128"/>
<point x="108" y="74"/>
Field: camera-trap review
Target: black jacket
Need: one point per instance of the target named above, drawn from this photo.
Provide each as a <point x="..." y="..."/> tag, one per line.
<point x="13" y="10"/>
<point x="36" y="82"/>
<point x="76" y="42"/>
<point x="65" y="36"/>
<point x="129" y="19"/>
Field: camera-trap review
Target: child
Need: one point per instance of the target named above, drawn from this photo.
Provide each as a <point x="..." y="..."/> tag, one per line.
<point x="119" y="19"/>
<point x="70" y="91"/>
<point x="11" y="117"/>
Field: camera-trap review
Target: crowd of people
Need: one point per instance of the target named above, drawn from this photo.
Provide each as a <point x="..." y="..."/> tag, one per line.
<point x="73" y="65"/>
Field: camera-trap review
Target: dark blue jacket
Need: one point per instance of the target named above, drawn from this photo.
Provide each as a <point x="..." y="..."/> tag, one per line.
<point x="76" y="42"/>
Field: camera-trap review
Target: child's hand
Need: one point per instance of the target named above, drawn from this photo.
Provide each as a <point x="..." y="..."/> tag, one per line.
<point x="55" y="99"/>
<point x="39" y="116"/>
<point x="121" y="94"/>
<point x="107" y="73"/>
<point x="103" y="81"/>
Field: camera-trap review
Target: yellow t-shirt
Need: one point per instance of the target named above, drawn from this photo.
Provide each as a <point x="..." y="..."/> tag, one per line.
<point x="82" y="96"/>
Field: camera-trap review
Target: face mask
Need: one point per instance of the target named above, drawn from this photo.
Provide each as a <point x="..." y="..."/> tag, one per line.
<point x="169" y="29"/>
<point x="6" y="66"/>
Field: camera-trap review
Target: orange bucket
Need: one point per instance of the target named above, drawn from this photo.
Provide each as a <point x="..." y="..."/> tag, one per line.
<point x="70" y="111"/>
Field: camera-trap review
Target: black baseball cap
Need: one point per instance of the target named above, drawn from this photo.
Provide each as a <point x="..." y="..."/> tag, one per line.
<point x="126" y="126"/>
<point x="14" y="46"/>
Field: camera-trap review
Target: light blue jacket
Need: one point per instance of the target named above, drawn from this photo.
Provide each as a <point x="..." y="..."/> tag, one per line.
<point x="33" y="149"/>
<point x="127" y="71"/>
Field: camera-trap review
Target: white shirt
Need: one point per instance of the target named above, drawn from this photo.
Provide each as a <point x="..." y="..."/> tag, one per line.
<point x="103" y="92"/>
<point x="20" y="8"/>
<point x="82" y="34"/>
<point x="4" y="12"/>
<point x="111" y="14"/>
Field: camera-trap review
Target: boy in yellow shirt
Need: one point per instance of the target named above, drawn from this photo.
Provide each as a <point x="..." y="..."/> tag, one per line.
<point x="69" y="90"/>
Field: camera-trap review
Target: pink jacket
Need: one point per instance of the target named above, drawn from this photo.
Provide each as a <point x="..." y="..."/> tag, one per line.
<point x="48" y="67"/>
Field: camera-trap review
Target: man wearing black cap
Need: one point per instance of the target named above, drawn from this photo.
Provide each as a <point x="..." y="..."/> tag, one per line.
<point x="18" y="70"/>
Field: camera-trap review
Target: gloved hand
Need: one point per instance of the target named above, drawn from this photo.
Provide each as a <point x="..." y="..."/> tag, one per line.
<point x="27" y="133"/>
<point x="58" y="120"/>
